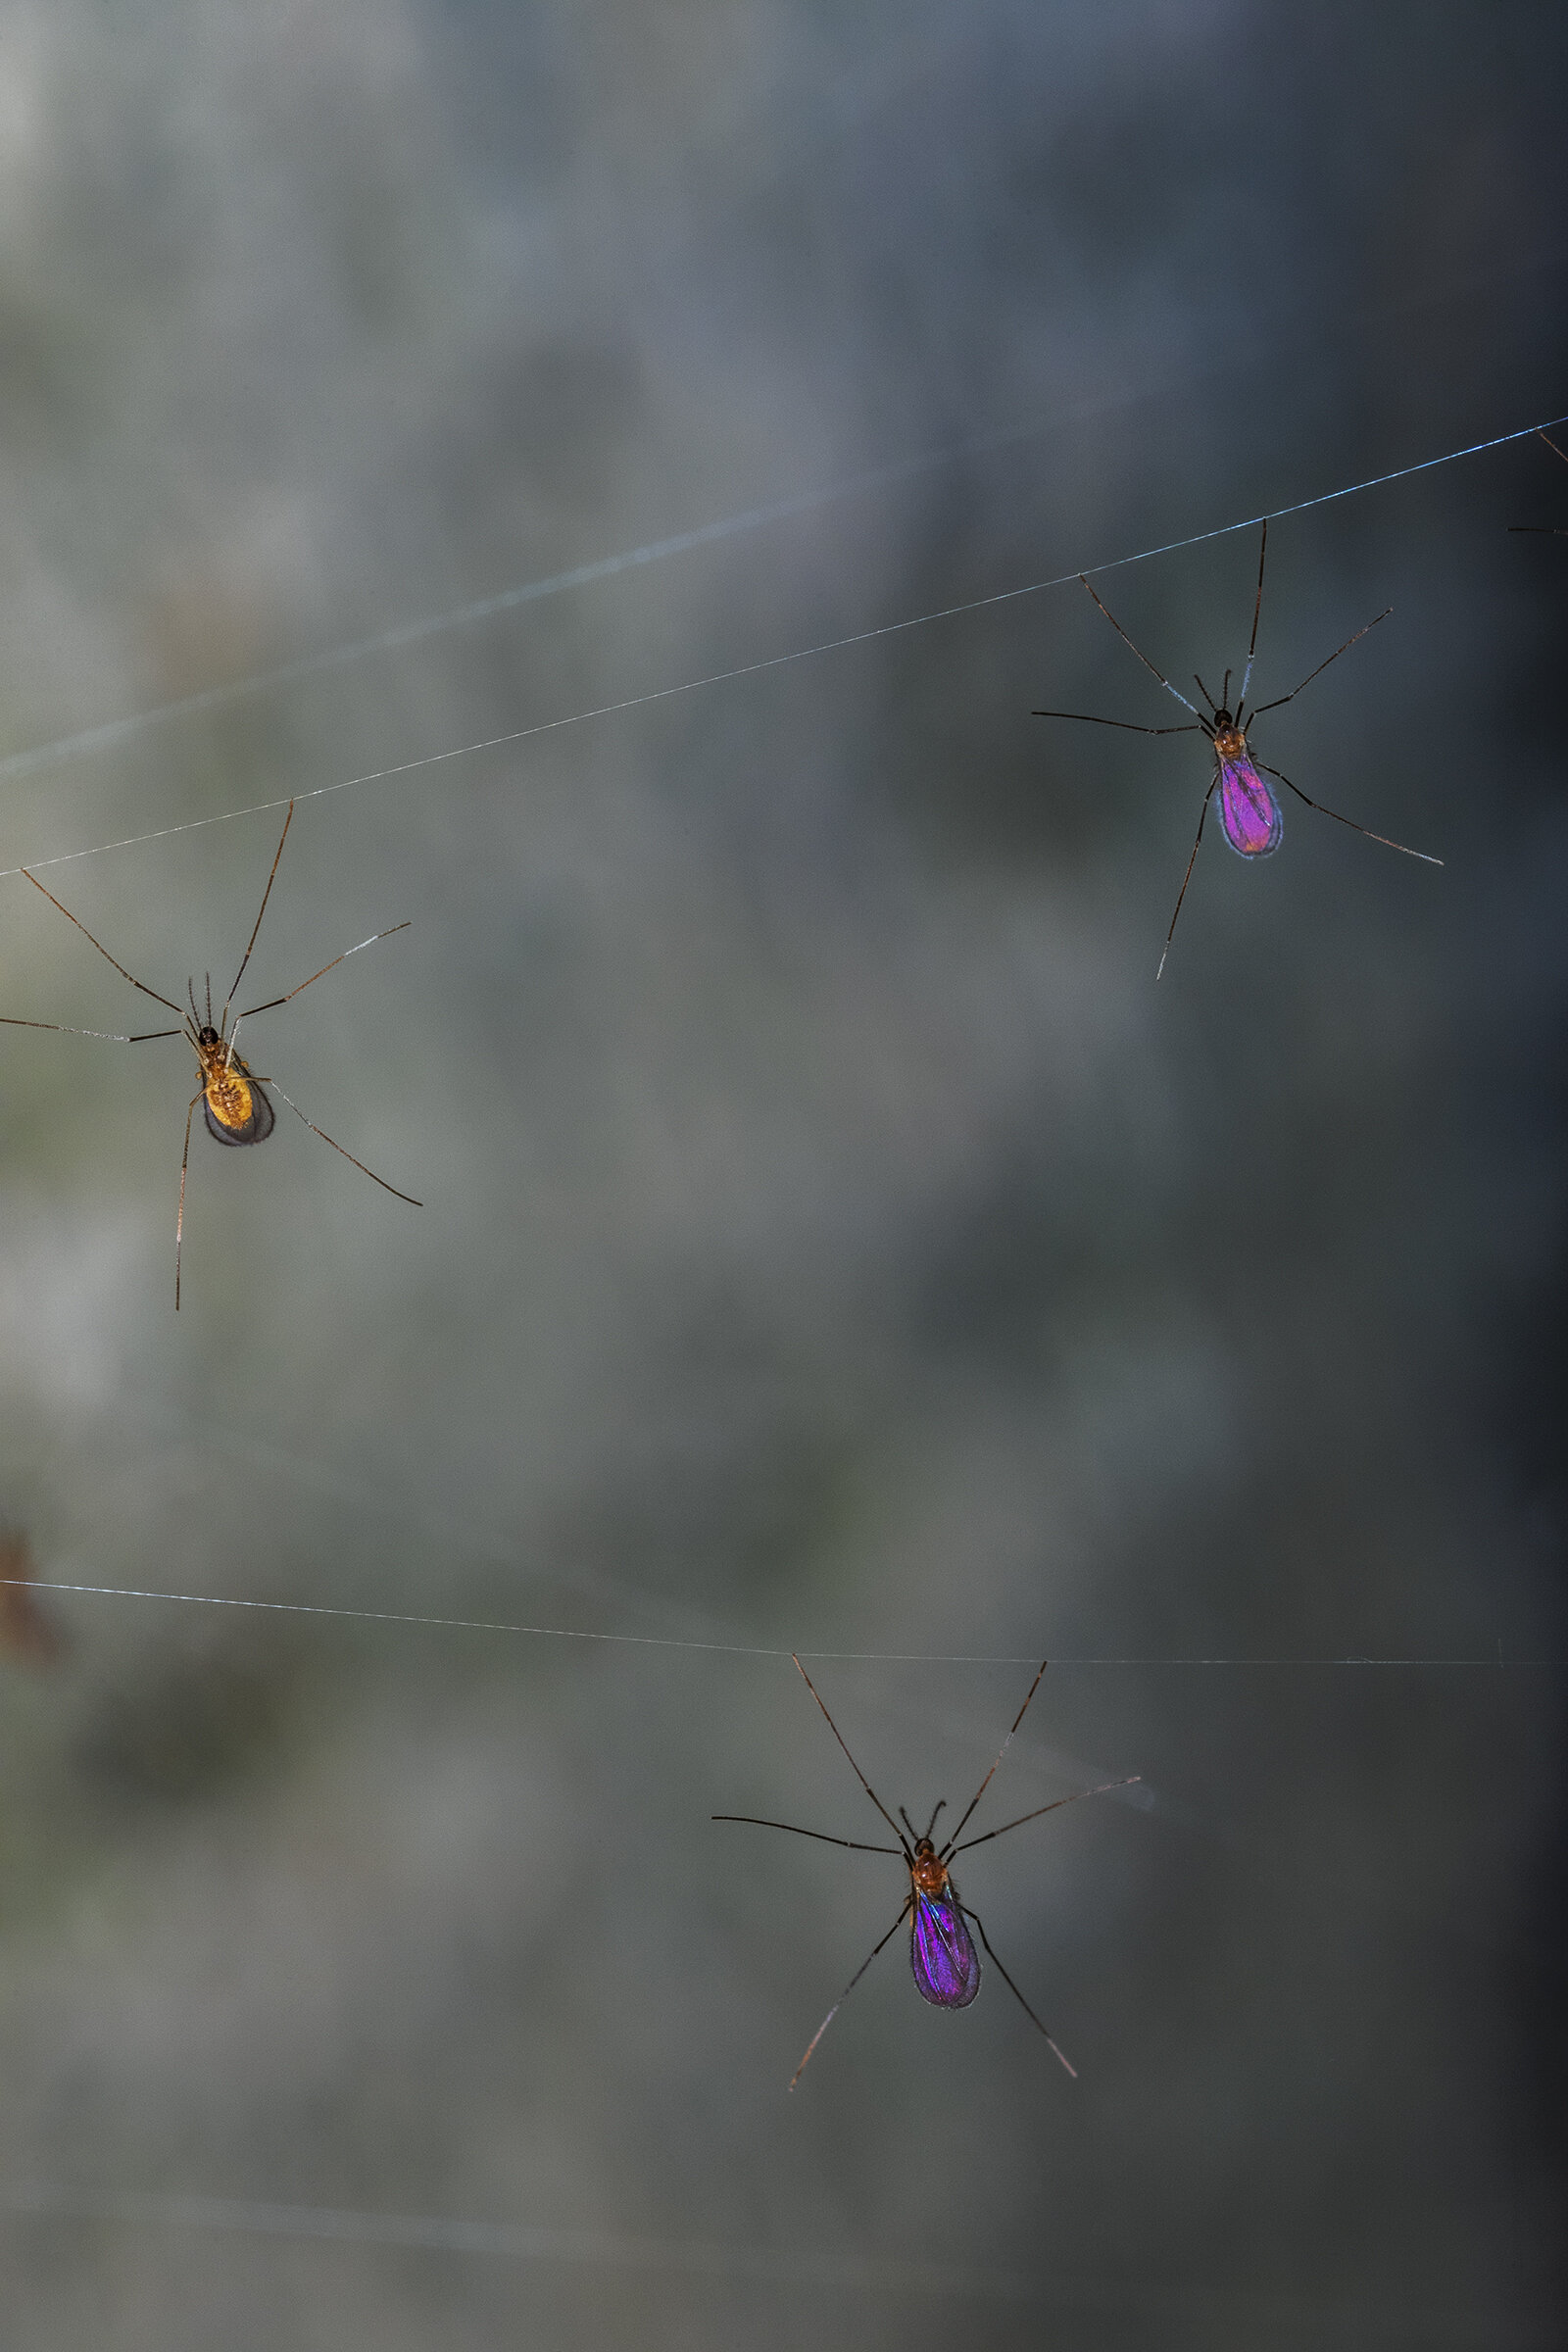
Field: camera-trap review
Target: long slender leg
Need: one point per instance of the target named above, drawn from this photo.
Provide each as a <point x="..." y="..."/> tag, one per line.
<point x="1426" y="860"/>
<point x="359" y="1163"/>
<point x="180" y="1221"/>
<point x="108" y="1036"/>
<point x="854" y="1844"/>
<point x="1143" y="657"/>
<point x="954" y="1834"/>
<point x="273" y="1003"/>
<point x="853" y="1767"/>
<point x="1091" y="720"/>
<point x="1186" y="877"/>
<point x="1055" y="1806"/>
<point x="1013" y="1990"/>
<point x="265" y="895"/>
<point x="848" y="1989"/>
<point x="1251" y="648"/>
<point x="102" y="950"/>
<point x="1556" y="451"/>
<point x="1281" y="699"/>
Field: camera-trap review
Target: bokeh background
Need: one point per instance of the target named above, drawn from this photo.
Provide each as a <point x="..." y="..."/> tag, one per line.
<point x="832" y="1236"/>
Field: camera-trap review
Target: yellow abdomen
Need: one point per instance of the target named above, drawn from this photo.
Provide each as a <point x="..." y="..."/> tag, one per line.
<point x="229" y="1099"/>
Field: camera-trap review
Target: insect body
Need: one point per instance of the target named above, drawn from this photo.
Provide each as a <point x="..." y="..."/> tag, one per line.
<point x="1249" y="806"/>
<point x="943" y="1960"/>
<point x="235" y="1106"/>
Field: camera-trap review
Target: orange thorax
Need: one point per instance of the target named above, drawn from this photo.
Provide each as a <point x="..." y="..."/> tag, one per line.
<point x="928" y="1871"/>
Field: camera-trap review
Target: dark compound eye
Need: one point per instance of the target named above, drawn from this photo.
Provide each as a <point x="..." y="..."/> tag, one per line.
<point x="208" y="1035"/>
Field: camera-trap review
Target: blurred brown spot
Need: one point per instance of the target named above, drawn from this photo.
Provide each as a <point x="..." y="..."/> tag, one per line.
<point x="28" y="1632"/>
<point x="201" y="631"/>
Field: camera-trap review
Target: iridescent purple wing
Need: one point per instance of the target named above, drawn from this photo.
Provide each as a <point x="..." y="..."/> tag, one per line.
<point x="1247" y="809"/>
<point x="942" y="1958"/>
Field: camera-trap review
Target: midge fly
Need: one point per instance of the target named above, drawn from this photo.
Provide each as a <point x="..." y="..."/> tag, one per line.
<point x="234" y="1105"/>
<point x="943" y="1960"/>
<point x="1248" y="808"/>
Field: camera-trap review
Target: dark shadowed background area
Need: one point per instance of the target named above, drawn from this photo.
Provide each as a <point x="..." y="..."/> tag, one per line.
<point x="833" y="1238"/>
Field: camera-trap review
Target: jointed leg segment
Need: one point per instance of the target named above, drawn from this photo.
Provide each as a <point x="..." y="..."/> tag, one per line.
<point x="849" y="1987"/>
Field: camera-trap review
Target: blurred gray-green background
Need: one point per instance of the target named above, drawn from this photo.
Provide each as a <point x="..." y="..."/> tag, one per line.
<point x="832" y="1237"/>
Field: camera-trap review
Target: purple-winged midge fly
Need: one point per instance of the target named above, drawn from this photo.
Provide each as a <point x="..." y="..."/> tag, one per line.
<point x="943" y="1960"/>
<point x="1249" y="806"/>
<point x="1543" y="530"/>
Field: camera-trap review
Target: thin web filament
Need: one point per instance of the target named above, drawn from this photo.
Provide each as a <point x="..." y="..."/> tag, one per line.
<point x="733" y="1649"/>
<point x="806" y="653"/>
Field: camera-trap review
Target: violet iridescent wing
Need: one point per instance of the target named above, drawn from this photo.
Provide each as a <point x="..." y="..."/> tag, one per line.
<point x="1249" y="809"/>
<point x="941" y="1956"/>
